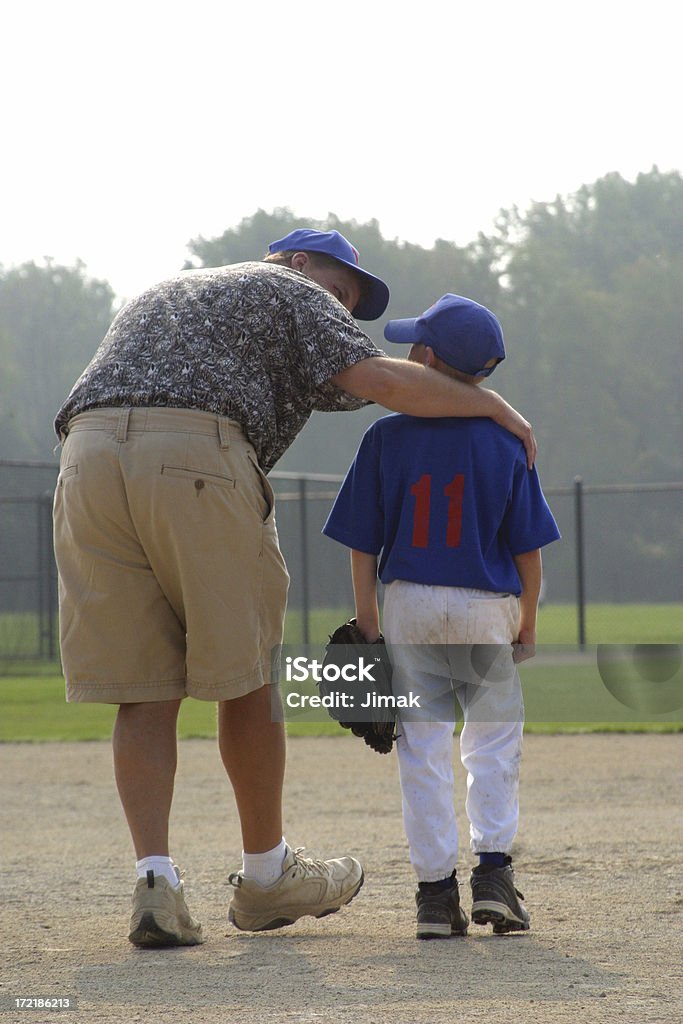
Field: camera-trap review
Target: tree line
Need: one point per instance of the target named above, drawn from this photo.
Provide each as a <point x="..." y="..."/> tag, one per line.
<point x="589" y="290"/>
<point x="588" y="287"/>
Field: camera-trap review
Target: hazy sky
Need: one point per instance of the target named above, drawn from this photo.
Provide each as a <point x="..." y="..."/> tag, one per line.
<point x="130" y="128"/>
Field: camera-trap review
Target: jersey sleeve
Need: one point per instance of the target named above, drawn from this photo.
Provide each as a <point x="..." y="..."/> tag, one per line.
<point x="529" y="524"/>
<point x="357" y="519"/>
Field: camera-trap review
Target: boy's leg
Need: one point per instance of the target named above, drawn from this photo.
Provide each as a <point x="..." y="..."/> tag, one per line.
<point x="491" y="750"/>
<point x="490" y="695"/>
<point x="491" y="753"/>
<point x="425" y="751"/>
<point x="413" y="618"/>
<point x="491" y="757"/>
<point x="425" y="755"/>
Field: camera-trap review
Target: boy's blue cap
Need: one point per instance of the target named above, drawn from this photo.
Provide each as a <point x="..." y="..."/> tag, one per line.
<point x="375" y="297"/>
<point x="461" y="332"/>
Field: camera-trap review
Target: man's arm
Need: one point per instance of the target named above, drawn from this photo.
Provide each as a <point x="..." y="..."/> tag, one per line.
<point x="418" y="390"/>
<point x="530" y="573"/>
<point x="364" y="577"/>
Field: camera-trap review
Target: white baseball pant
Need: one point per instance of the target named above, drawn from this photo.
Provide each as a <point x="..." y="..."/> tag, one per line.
<point x="451" y="643"/>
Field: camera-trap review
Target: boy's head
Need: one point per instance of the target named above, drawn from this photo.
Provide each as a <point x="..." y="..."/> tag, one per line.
<point x="458" y="332"/>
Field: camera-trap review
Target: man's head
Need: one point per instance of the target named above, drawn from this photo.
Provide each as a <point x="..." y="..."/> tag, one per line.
<point x="455" y="334"/>
<point x="327" y="258"/>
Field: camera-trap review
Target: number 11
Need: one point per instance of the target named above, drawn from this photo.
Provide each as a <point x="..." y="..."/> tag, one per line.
<point x="422" y="492"/>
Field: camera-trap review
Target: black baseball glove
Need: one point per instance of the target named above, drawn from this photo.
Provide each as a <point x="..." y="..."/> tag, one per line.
<point x="356" y="679"/>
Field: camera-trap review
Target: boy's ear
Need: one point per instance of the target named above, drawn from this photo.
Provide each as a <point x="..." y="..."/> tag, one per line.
<point x="430" y="358"/>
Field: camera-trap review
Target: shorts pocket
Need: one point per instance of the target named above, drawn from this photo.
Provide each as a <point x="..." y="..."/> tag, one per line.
<point x="198" y="476"/>
<point x="66" y="474"/>
<point x="266" y="489"/>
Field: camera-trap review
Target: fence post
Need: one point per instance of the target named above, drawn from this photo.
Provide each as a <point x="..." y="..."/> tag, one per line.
<point x="305" y="582"/>
<point x="45" y="571"/>
<point x="50" y="576"/>
<point x="580" y="567"/>
<point x="41" y="569"/>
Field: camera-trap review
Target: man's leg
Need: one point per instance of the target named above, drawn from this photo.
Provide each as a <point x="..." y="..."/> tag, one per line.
<point x="277" y="885"/>
<point x="252" y="747"/>
<point x="145" y="759"/>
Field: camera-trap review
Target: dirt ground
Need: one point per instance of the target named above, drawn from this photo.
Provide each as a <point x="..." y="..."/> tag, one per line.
<point x="598" y="859"/>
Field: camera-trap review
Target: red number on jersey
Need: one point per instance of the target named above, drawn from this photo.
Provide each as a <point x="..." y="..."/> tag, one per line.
<point x="422" y="492"/>
<point x="454" y="492"/>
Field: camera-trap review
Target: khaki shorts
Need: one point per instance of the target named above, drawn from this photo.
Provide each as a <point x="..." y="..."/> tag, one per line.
<point x="171" y="579"/>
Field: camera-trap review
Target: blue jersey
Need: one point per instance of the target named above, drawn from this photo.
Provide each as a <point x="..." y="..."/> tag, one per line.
<point x="446" y="502"/>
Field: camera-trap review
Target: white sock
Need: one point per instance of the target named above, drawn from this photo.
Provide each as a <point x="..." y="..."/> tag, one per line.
<point x="162" y="866"/>
<point x="265" y="868"/>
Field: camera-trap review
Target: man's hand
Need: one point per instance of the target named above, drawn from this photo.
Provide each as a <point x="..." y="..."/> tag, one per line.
<point x="510" y="419"/>
<point x="418" y="390"/>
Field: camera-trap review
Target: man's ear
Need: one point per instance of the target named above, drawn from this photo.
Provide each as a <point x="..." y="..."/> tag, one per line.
<point x="430" y="358"/>
<point x="299" y="261"/>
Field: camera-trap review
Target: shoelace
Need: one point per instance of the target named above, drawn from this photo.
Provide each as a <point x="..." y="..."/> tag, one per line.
<point x="429" y="892"/>
<point x="519" y="894"/>
<point x="308" y="865"/>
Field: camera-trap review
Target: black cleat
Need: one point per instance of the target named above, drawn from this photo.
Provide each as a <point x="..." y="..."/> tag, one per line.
<point x="495" y="900"/>
<point x="439" y="914"/>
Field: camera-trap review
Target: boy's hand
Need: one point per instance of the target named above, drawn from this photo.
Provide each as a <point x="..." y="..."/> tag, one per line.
<point x="524" y="646"/>
<point x="369" y="627"/>
<point x="364" y="578"/>
<point x="376" y="728"/>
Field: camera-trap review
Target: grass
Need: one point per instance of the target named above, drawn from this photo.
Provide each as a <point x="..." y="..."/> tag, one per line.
<point x="559" y="698"/>
<point x="613" y="624"/>
<point x="563" y="691"/>
<point x="557" y="624"/>
<point x="33" y="709"/>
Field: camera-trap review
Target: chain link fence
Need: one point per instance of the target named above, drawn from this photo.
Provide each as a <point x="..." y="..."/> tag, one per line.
<point x="616" y="575"/>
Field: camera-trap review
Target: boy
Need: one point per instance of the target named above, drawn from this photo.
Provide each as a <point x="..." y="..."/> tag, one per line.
<point x="457" y="521"/>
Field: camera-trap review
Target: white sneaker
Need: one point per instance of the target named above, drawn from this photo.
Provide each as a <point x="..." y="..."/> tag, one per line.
<point x="160" y="916"/>
<point x="307" y="887"/>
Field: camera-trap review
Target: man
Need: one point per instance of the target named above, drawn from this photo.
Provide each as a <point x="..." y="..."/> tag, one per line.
<point x="172" y="583"/>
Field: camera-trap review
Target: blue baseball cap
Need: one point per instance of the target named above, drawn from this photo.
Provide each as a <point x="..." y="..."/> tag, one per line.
<point x="375" y="295"/>
<point x="461" y="332"/>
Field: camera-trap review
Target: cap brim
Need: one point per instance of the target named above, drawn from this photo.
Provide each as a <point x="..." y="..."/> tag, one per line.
<point x="375" y="297"/>
<point x="403" y="332"/>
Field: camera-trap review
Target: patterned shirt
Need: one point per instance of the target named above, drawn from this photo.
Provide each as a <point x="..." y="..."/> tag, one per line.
<point x="257" y="342"/>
